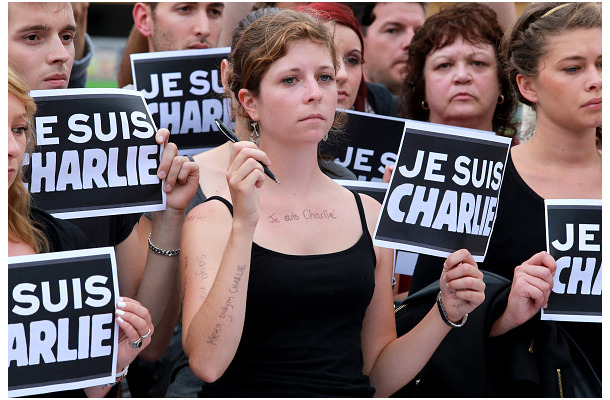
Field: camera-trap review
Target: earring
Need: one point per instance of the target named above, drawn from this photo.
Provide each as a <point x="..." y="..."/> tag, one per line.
<point x="325" y="138"/>
<point x="255" y="137"/>
<point x="501" y="99"/>
<point x="424" y="105"/>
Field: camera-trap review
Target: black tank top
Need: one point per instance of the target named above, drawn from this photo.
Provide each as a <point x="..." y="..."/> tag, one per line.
<point x="303" y="322"/>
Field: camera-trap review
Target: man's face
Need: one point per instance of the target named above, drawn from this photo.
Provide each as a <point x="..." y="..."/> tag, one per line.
<point x="387" y="41"/>
<point x="181" y="26"/>
<point x="40" y="43"/>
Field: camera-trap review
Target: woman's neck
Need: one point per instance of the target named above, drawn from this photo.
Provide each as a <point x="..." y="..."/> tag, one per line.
<point x="562" y="147"/>
<point x="560" y="164"/>
<point x="482" y="124"/>
<point x="296" y="168"/>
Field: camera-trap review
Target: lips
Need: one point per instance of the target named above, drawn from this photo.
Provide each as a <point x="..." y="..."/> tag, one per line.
<point x="463" y="96"/>
<point x="198" y="46"/>
<point x="402" y="60"/>
<point x="593" y="103"/>
<point x="311" y="117"/>
<point x="56" y="80"/>
<point x="342" y="95"/>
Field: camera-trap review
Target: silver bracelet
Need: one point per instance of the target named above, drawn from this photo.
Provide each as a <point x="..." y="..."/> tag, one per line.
<point x="155" y="249"/>
<point x="443" y="312"/>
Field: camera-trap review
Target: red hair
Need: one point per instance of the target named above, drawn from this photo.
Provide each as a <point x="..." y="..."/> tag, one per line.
<point x="340" y="14"/>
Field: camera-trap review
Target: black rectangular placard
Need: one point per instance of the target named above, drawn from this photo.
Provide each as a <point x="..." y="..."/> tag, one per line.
<point x="184" y="93"/>
<point x="96" y="154"/>
<point x="444" y="190"/>
<point x="61" y="329"/>
<point x="574" y="239"/>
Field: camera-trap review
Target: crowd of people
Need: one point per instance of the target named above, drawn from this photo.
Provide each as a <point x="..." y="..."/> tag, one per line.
<point x="298" y="309"/>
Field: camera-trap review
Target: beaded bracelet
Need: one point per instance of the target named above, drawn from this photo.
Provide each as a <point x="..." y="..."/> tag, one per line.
<point x="441" y="310"/>
<point x="155" y="249"/>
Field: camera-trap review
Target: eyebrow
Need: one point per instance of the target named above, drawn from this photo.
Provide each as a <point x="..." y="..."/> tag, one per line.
<point x="45" y="28"/>
<point x="572" y="58"/>
<point x="393" y="24"/>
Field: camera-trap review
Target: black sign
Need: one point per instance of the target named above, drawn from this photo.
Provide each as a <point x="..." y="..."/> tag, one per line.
<point x="443" y="194"/>
<point x="96" y="154"/>
<point x="61" y="328"/>
<point x="184" y="93"/>
<point x="368" y="144"/>
<point x="574" y="238"/>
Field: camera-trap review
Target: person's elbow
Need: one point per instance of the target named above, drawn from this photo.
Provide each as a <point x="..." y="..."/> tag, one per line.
<point x="205" y="371"/>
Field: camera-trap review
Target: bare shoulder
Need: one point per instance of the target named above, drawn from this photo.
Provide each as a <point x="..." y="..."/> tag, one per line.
<point x="370" y="205"/>
<point x="213" y="158"/>
<point x="211" y="211"/>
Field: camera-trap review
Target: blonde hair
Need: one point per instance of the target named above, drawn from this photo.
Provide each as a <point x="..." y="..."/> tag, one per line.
<point x="20" y="223"/>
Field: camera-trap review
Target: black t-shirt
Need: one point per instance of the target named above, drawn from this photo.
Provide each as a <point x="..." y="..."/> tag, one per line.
<point x="108" y="230"/>
<point x="62" y="235"/>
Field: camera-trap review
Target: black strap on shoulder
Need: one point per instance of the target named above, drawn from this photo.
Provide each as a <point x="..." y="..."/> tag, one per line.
<point x="361" y="212"/>
<point x="223" y="200"/>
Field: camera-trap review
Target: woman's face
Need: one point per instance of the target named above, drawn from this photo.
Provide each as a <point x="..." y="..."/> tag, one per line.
<point x="462" y="86"/>
<point x="568" y="88"/>
<point x="298" y="95"/>
<point x="17" y="136"/>
<point x="349" y="75"/>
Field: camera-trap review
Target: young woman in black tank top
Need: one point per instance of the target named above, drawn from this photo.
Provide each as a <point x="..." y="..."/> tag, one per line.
<point x="284" y="292"/>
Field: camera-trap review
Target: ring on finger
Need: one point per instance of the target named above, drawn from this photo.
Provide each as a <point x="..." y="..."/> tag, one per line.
<point x="147" y="334"/>
<point x="137" y="344"/>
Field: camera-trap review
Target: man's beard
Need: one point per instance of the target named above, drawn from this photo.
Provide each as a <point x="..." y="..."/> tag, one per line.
<point x="162" y="41"/>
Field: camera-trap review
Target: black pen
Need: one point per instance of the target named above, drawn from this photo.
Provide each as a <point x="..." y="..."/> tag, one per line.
<point x="233" y="137"/>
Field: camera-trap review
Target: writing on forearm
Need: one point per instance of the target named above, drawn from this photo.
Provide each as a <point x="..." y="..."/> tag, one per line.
<point x="227" y="309"/>
<point x="224" y="311"/>
<point x="213" y="338"/>
<point x="237" y="278"/>
<point x="202" y="274"/>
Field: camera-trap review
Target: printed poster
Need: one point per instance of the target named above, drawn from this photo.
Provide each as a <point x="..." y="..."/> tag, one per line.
<point x="444" y="190"/>
<point x="366" y="145"/>
<point x="574" y="239"/>
<point x="95" y="154"/>
<point x="184" y="93"/>
<point x="61" y="329"/>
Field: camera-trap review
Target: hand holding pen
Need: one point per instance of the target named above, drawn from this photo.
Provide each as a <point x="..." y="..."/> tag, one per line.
<point x="229" y="134"/>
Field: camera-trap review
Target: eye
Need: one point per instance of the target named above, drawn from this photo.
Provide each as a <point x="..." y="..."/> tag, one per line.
<point x="391" y="31"/>
<point x="184" y="9"/>
<point x="20" y="130"/>
<point x="289" y="80"/>
<point x="571" y="70"/>
<point x="215" y="13"/>
<point x="477" y="63"/>
<point x="326" y="78"/>
<point x="31" y="37"/>
<point x="353" y="60"/>
<point x="444" y="65"/>
<point x="67" y="37"/>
